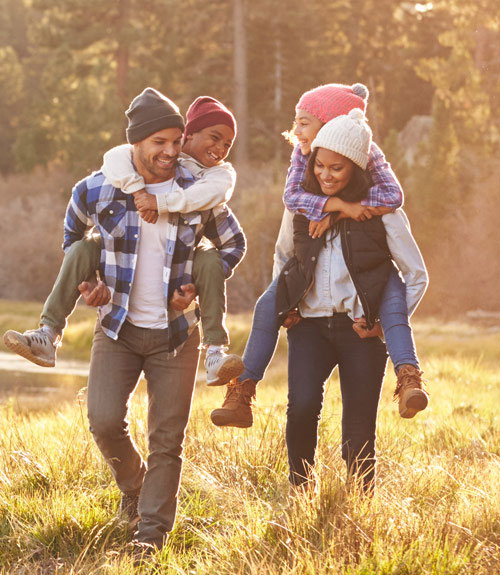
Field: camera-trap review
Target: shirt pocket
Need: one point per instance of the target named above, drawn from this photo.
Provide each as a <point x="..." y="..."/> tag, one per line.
<point x="189" y="225"/>
<point x="111" y="217"/>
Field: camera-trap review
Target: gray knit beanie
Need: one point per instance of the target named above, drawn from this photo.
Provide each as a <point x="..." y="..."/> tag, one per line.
<point x="149" y="113"/>
<point x="348" y="135"/>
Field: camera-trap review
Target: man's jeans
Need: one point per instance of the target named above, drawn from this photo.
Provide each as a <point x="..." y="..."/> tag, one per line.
<point x="115" y="368"/>
<point x="315" y="347"/>
<point x="82" y="260"/>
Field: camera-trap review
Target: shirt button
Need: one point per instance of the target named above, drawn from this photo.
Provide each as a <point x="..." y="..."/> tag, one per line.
<point x="185" y="221"/>
<point x="129" y="285"/>
<point x="313" y="258"/>
<point x="136" y="236"/>
<point x="285" y="273"/>
<point x="110" y="211"/>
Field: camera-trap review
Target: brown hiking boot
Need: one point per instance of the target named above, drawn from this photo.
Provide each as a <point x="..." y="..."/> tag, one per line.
<point x="236" y="411"/>
<point x="410" y="391"/>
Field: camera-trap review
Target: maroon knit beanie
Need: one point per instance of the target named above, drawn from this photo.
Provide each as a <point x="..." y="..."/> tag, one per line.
<point x="205" y="112"/>
<point x="332" y="100"/>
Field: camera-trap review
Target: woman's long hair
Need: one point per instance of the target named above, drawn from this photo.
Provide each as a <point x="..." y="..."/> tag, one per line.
<point x="355" y="191"/>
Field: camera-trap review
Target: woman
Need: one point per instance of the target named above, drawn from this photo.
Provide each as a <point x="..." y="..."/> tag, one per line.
<point x="333" y="281"/>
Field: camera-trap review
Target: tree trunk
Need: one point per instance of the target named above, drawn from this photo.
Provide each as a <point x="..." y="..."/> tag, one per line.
<point x="240" y="82"/>
<point x="122" y="53"/>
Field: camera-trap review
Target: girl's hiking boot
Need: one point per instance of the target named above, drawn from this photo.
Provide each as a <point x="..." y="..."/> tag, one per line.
<point x="222" y="368"/>
<point x="236" y="411"/>
<point x="410" y="391"/>
<point x="36" y="345"/>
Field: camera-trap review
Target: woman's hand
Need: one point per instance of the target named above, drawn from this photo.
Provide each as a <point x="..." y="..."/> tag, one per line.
<point x="292" y="319"/>
<point x="360" y="327"/>
<point x="317" y="229"/>
<point x="149" y="216"/>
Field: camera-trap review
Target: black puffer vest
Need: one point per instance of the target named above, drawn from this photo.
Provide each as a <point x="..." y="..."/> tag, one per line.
<point x="366" y="254"/>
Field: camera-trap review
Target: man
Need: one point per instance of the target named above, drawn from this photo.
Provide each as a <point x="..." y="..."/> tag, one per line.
<point x="144" y="265"/>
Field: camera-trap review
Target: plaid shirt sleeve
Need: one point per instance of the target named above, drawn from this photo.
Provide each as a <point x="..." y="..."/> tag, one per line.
<point x="296" y="199"/>
<point x="225" y="232"/>
<point x="76" y="221"/>
<point x="386" y="190"/>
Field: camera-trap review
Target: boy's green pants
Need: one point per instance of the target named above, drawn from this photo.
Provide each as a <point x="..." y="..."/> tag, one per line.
<point x="82" y="260"/>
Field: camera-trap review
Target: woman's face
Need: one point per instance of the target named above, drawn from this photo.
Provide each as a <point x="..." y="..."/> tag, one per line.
<point x="332" y="171"/>
<point x="305" y="129"/>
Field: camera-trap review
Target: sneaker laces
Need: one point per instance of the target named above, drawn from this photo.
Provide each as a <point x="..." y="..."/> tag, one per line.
<point x="40" y="337"/>
<point x="214" y="358"/>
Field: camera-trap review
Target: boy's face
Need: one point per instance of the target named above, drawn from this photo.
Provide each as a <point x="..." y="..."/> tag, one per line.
<point x="156" y="155"/>
<point x="211" y="145"/>
<point x="305" y="130"/>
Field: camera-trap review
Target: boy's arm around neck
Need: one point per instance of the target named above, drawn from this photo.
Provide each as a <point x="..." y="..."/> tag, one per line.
<point x="214" y="187"/>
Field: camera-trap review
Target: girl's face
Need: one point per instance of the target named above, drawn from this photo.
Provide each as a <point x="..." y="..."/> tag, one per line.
<point x="332" y="171"/>
<point x="305" y="130"/>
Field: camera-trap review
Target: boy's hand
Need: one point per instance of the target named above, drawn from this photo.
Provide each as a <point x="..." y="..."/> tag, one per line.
<point x="144" y="201"/>
<point x="317" y="229"/>
<point x="146" y="206"/>
<point x="183" y="297"/>
<point x="292" y="319"/>
<point x="95" y="294"/>
<point x="359" y="326"/>
<point x="149" y="216"/>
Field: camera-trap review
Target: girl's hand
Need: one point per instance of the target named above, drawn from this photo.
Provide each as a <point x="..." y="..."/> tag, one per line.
<point x="359" y="326"/>
<point x="356" y="211"/>
<point x="95" y="294"/>
<point x="317" y="229"/>
<point x="292" y="319"/>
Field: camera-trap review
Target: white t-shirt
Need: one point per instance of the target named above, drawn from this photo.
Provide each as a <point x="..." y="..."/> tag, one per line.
<point x="147" y="303"/>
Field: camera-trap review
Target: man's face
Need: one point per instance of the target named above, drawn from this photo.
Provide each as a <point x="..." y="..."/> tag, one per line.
<point x="156" y="155"/>
<point x="211" y="145"/>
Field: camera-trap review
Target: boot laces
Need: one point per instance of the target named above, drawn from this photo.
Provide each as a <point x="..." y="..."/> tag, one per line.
<point x="408" y="379"/>
<point x="240" y="392"/>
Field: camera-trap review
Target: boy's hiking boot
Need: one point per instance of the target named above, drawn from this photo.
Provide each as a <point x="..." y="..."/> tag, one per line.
<point x="128" y="510"/>
<point x="410" y="391"/>
<point x="36" y="345"/>
<point x="222" y="368"/>
<point x="236" y="411"/>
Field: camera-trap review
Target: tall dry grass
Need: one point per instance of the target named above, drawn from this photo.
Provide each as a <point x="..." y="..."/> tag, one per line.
<point x="436" y="509"/>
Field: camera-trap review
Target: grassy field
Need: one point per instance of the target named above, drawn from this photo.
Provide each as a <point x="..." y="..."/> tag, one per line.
<point x="436" y="509"/>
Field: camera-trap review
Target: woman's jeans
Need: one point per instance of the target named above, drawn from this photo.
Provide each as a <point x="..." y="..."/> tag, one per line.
<point x="393" y="313"/>
<point x="315" y="347"/>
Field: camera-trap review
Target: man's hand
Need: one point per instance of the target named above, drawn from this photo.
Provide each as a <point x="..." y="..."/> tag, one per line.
<point x="359" y="326"/>
<point x="292" y="319"/>
<point x="146" y="206"/>
<point x="95" y="293"/>
<point x="317" y="229"/>
<point x="183" y="297"/>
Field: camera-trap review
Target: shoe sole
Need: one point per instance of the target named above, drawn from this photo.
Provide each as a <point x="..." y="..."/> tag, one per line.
<point x="415" y="403"/>
<point x="12" y="341"/>
<point x="219" y="420"/>
<point x="233" y="367"/>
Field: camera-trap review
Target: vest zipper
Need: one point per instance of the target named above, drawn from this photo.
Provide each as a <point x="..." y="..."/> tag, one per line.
<point x="347" y="258"/>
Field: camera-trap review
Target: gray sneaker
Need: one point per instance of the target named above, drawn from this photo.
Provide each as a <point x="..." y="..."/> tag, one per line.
<point x="36" y="345"/>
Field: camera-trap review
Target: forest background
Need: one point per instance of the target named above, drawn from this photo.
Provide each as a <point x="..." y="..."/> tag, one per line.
<point x="69" y="68"/>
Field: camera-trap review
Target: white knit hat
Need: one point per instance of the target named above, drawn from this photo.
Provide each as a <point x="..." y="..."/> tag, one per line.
<point x="347" y="135"/>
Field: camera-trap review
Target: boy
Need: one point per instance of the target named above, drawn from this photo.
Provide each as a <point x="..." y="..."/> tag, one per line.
<point x="209" y="135"/>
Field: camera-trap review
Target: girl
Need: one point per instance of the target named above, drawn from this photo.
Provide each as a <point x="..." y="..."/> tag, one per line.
<point x="315" y="108"/>
<point x="334" y="280"/>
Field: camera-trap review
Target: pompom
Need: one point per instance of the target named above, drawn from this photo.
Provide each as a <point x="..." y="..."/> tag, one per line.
<point x="360" y="90"/>
<point x="356" y="114"/>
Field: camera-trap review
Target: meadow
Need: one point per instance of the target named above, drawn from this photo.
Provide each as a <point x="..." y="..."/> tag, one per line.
<point x="436" y="508"/>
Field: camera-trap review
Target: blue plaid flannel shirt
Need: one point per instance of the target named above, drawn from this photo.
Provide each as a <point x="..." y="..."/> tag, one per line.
<point x="95" y="202"/>
<point x="386" y="190"/>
